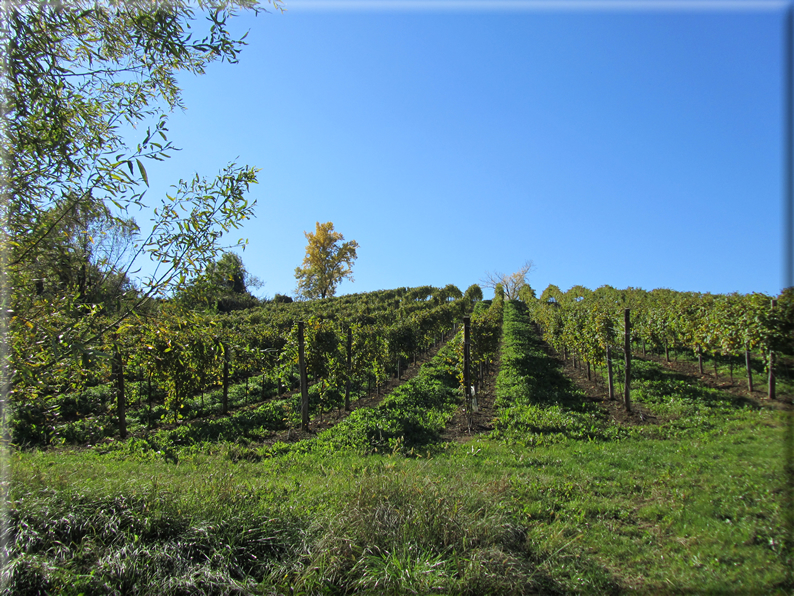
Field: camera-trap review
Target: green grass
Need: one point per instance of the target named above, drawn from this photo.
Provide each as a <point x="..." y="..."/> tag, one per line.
<point x="783" y="370"/>
<point x="558" y="501"/>
<point x="536" y="403"/>
<point x="687" y="515"/>
<point x="700" y="516"/>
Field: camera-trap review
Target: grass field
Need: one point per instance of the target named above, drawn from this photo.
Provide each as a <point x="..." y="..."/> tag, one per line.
<point x="691" y="504"/>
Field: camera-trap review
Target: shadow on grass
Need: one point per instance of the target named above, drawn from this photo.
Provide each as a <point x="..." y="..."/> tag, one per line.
<point x="659" y="384"/>
<point x="536" y="377"/>
<point x="536" y="402"/>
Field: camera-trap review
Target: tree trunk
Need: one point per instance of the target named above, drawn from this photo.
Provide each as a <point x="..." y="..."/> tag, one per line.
<point x="466" y="372"/>
<point x="349" y="366"/>
<point x="225" y="403"/>
<point x="771" y="390"/>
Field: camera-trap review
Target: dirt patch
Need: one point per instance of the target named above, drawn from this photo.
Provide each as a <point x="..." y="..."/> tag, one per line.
<point x="458" y="429"/>
<point x="596" y="388"/>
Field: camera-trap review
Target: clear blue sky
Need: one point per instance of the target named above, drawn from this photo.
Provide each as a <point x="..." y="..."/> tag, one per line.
<point x="626" y="147"/>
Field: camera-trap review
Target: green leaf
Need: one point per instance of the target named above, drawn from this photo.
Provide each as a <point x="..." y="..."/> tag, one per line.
<point x="143" y="172"/>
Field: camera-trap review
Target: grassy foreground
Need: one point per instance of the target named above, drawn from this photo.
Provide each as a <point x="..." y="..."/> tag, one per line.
<point x="557" y="502"/>
<point x="651" y="516"/>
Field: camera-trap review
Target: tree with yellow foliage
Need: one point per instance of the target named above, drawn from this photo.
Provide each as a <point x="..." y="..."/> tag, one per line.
<point x="327" y="262"/>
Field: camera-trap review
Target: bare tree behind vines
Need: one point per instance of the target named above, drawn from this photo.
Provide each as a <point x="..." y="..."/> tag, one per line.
<point x="511" y="283"/>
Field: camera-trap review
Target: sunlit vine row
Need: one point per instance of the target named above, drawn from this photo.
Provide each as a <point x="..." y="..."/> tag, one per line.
<point x="583" y="323"/>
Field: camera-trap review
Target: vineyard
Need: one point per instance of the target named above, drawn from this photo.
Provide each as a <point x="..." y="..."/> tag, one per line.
<point x="179" y="366"/>
<point x="636" y="445"/>
<point x="591" y="325"/>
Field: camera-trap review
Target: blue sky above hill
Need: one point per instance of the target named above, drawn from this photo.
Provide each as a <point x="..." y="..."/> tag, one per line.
<point x="629" y="147"/>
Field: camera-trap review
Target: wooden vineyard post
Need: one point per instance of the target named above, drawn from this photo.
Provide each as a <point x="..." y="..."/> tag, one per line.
<point x="627" y="355"/>
<point x="466" y="372"/>
<point x="349" y="366"/>
<point x="121" y="410"/>
<point x="610" y="380"/>
<point x="749" y="370"/>
<point x="700" y="359"/>
<point x="771" y="386"/>
<point x="304" y="381"/>
<point x="150" y="399"/>
<point x="225" y="402"/>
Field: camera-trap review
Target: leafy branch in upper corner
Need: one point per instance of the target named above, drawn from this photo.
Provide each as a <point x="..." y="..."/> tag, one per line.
<point x="74" y="77"/>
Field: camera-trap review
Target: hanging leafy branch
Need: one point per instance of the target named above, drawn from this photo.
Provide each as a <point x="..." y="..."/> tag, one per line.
<point x="74" y="76"/>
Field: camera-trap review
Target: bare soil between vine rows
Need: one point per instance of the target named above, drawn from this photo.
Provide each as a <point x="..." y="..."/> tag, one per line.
<point x="459" y="429"/>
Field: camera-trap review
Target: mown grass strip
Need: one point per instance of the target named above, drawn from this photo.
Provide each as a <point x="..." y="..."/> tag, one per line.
<point x="411" y="416"/>
<point x="692" y="502"/>
<point x="536" y="403"/>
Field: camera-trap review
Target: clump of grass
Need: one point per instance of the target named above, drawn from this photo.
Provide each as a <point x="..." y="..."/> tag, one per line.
<point x="410" y="417"/>
<point x="143" y="545"/>
<point x="404" y="535"/>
